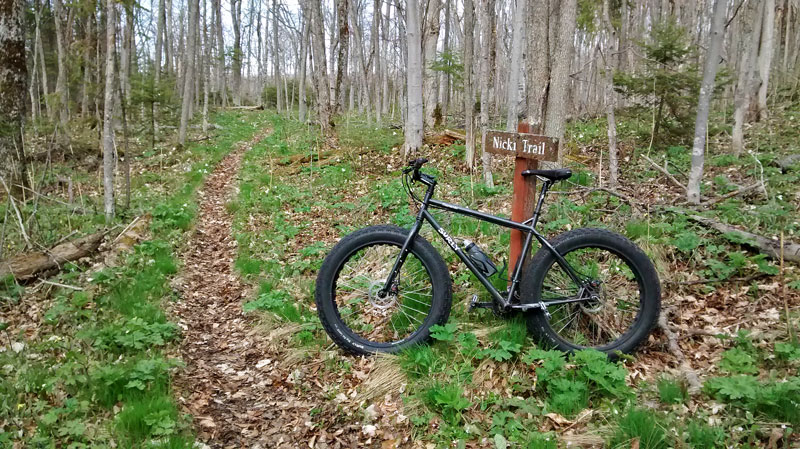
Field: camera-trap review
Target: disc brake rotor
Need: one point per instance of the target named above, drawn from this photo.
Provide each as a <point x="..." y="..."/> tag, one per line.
<point x="388" y="300"/>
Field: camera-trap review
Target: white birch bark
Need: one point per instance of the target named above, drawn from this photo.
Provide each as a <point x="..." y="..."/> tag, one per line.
<point x="710" y="66"/>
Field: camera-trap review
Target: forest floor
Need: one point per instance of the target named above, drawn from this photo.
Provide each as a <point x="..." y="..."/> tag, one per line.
<point x="212" y="314"/>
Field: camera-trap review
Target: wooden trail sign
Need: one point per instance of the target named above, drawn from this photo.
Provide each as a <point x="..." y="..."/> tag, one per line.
<point x="527" y="149"/>
<point x="522" y="145"/>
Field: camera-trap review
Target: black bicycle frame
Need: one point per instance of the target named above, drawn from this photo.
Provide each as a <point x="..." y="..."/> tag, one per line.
<point x="528" y="227"/>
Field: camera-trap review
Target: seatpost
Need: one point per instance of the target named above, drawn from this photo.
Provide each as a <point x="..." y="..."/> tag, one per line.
<point x="545" y="188"/>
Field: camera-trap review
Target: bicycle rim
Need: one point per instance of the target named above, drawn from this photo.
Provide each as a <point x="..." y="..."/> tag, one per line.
<point x="611" y="315"/>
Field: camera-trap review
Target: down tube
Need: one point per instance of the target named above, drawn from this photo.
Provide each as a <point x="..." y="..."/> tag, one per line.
<point x="467" y="261"/>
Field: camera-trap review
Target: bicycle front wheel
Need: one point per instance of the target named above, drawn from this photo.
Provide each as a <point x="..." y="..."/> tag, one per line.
<point x="352" y="307"/>
<point x="615" y="314"/>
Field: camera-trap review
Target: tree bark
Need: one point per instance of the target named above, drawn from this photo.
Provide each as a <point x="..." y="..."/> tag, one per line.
<point x="414" y="117"/>
<point x="61" y="80"/>
<point x="744" y="85"/>
<point x="108" y="113"/>
<point x="765" y="56"/>
<point x="322" y="82"/>
<point x="715" y="38"/>
<point x="469" y="96"/>
<point x="13" y="85"/>
<point x="558" y="94"/>
<point x="487" y="11"/>
<point x="515" y="67"/>
<point x="612" y="46"/>
<point x="303" y="69"/>
<point x="236" y="64"/>
<point x="342" y="8"/>
<point x="189" y="68"/>
<point x="430" y="90"/>
<point x="538" y="64"/>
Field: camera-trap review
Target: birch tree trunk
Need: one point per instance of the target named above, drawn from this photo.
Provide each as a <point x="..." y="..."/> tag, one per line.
<point x="414" y="117"/>
<point x="108" y="113"/>
<point x="715" y="38"/>
<point x="430" y="90"/>
<point x="220" y="41"/>
<point x="13" y="85"/>
<point x="189" y="66"/>
<point x="487" y="11"/>
<point x="469" y="95"/>
<point x="765" y="56"/>
<point x="744" y="85"/>
<point x="515" y="67"/>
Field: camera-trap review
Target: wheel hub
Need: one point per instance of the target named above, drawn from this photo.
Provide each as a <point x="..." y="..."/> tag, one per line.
<point x="594" y="302"/>
<point x="380" y="298"/>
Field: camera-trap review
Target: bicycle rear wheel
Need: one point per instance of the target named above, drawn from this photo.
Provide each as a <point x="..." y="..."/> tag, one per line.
<point x="626" y="293"/>
<point x="349" y="284"/>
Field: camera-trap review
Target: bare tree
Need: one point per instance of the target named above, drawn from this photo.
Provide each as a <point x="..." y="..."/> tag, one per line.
<point x="515" y="66"/>
<point x="322" y="81"/>
<point x="189" y="69"/>
<point x="703" y="103"/>
<point x="430" y="90"/>
<point x="414" y="117"/>
<point x="469" y="96"/>
<point x="558" y="94"/>
<point x="765" y="56"/>
<point x="342" y="9"/>
<point x="61" y="47"/>
<point x="487" y="11"/>
<point x="236" y="63"/>
<point x="13" y="85"/>
<point x="744" y="85"/>
<point x="609" y="59"/>
<point x="303" y="68"/>
<point x="108" y="113"/>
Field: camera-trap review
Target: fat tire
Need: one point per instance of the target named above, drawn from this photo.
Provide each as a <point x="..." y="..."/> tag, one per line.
<point x="335" y="260"/>
<point x="650" y="288"/>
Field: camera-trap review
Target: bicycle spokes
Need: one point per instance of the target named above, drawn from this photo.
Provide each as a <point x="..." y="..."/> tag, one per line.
<point x="377" y="315"/>
<point x="606" y="304"/>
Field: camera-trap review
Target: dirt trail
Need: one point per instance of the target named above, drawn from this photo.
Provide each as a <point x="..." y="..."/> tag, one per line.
<point x="231" y="383"/>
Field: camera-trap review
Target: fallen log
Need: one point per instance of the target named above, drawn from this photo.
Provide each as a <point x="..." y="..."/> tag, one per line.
<point x="246" y="108"/>
<point x="786" y="163"/>
<point x="772" y="248"/>
<point x="25" y="266"/>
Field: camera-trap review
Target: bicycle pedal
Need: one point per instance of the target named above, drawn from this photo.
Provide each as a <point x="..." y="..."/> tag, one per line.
<point x="475" y="304"/>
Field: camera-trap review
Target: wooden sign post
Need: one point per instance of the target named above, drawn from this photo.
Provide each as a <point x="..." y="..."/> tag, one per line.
<point x="528" y="150"/>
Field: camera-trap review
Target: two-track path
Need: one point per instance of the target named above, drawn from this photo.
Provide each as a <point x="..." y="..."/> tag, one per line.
<point x="230" y="384"/>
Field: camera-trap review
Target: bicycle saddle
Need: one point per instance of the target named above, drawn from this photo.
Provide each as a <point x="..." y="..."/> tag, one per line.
<point x="553" y="175"/>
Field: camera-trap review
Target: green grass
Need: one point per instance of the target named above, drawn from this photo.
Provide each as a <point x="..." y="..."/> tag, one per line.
<point x="483" y="376"/>
<point x="98" y="375"/>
